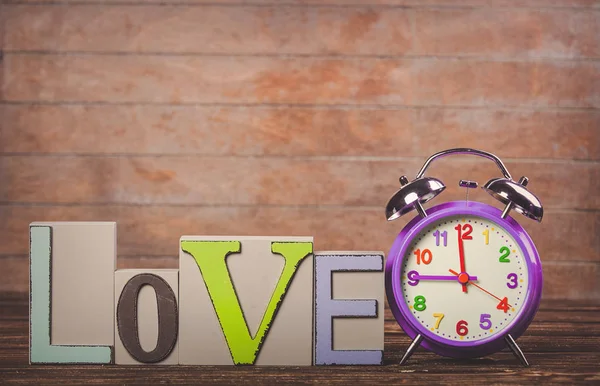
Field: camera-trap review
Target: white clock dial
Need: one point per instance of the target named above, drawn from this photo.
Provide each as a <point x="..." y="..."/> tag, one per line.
<point x="495" y="287"/>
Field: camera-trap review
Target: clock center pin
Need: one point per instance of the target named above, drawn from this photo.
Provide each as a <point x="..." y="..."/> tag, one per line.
<point x="463" y="278"/>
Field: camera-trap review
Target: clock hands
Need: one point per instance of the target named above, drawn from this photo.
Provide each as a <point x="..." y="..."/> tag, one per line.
<point x="477" y="286"/>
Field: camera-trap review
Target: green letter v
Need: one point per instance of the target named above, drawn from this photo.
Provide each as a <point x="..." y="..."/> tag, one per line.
<point x="210" y="257"/>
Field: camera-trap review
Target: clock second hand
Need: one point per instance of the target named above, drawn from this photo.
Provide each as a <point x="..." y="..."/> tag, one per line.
<point x="484" y="290"/>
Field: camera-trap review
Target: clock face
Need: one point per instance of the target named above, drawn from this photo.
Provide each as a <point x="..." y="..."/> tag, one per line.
<point x="464" y="279"/>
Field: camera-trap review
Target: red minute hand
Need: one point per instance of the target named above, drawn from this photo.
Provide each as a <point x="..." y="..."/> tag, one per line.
<point x="461" y="255"/>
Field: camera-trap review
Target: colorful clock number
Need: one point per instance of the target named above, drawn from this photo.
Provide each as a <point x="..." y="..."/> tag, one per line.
<point x="461" y="328"/>
<point x="413" y="278"/>
<point x="420" y="303"/>
<point x="486" y="233"/>
<point x="513" y="283"/>
<point x="464" y="231"/>
<point x="424" y="256"/>
<point x="444" y="235"/>
<point x="438" y="318"/>
<point x="505" y="252"/>
<point x="484" y="321"/>
<point x="503" y="305"/>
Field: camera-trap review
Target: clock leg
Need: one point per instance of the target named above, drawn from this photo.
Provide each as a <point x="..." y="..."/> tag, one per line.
<point x="413" y="346"/>
<point x="516" y="350"/>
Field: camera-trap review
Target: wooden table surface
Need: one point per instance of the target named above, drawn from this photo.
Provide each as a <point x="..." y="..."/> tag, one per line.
<point x="562" y="344"/>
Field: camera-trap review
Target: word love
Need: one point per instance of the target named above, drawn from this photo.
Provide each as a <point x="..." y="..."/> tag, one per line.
<point x="232" y="301"/>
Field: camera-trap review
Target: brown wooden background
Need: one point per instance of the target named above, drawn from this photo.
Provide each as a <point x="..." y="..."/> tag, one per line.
<point x="294" y="118"/>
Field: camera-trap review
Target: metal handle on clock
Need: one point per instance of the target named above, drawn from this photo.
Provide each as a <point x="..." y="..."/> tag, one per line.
<point x="465" y="150"/>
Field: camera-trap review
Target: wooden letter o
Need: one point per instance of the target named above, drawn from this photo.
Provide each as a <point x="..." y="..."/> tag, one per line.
<point x="127" y="321"/>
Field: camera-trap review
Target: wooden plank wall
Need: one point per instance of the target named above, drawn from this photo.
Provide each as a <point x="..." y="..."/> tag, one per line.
<point x="291" y="117"/>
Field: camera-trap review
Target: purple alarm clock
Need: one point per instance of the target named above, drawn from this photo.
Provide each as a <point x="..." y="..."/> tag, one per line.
<point x="463" y="279"/>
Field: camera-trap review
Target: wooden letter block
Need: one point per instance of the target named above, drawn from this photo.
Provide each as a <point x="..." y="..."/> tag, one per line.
<point x="246" y="300"/>
<point x="71" y="292"/>
<point x="146" y="316"/>
<point x="349" y="288"/>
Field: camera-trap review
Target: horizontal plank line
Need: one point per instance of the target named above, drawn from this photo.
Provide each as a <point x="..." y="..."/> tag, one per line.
<point x="547" y="210"/>
<point x="344" y="158"/>
<point x="170" y="205"/>
<point x="182" y="205"/>
<point x="180" y="3"/>
<point x="302" y="105"/>
<point x="475" y="58"/>
<point x="499" y="59"/>
<point x="570" y="263"/>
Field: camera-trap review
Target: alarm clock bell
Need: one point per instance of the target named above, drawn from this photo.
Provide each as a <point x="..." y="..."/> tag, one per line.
<point x="515" y="196"/>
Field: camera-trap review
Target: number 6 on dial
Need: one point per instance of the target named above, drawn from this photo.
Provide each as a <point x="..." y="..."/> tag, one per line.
<point x="461" y="328"/>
